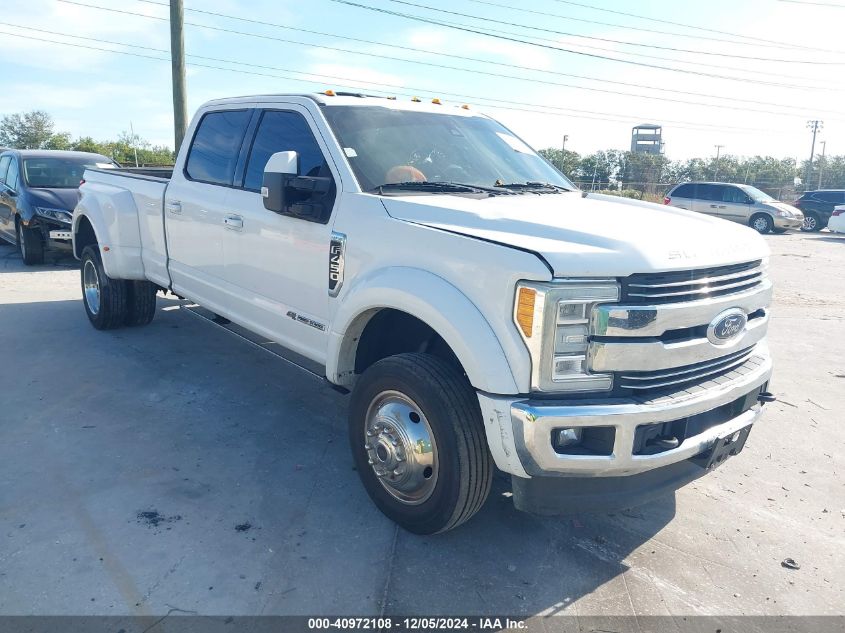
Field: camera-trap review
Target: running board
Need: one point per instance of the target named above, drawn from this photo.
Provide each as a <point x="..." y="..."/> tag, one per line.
<point x="271" y="347"/>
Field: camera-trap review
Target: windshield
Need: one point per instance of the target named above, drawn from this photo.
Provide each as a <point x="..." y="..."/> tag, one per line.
<point x="387" y="146"/>
<point x="59" y="173"/>
<point x="756" y="194"/>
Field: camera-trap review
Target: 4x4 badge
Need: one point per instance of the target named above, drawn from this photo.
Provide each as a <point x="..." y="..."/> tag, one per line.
<point x="337" y="255"/>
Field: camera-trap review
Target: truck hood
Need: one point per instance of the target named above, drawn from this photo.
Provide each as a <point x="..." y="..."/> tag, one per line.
<point x="588" y="235"/>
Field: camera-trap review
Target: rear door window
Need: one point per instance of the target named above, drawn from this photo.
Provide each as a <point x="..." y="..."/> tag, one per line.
<point x="216" y="146"/>
<point x="684" y="191"/>
<point x="711" y="193"/>
<point x="830" y="196"/>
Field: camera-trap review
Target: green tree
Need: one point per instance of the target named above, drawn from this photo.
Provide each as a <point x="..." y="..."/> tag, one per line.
<point x="26" y="130"/>
<point x="566" y="161"/>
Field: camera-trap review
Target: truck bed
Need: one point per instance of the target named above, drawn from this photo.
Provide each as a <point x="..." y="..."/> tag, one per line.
<point x="131" y="200"/>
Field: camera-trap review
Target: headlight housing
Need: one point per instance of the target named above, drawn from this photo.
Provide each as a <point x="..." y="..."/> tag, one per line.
<point x="554" y="321"/>
<point x="60" y="215"/>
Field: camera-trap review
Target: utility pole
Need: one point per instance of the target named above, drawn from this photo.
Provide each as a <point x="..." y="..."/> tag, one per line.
<point x="134" y="142"/>
<point x="563" y="147"/>
<point x="177" y="61"/>
<point x="716" y="169"/>
<point x="821" y="163"/>
<point x="816" y="127"/>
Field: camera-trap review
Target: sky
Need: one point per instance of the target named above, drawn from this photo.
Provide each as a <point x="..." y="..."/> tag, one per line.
<point x="748" y="74"/>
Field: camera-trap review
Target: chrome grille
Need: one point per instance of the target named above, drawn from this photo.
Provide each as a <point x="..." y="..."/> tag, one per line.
<point x="691" y="285"/>
<point x="697" y="372"/>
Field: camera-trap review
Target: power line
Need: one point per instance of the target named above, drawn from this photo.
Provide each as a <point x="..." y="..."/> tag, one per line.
<point x="629" y="27"/>
<point x="474" y="71"/>
<point x="441" y="54"/>
<point x="613" y="41"/>
<point x="566" y="50"/>
<point x="438" y="53"/>
<point x="581" y="114"/>
<point x="692" y="26"/>
<point x="818" y="4"/>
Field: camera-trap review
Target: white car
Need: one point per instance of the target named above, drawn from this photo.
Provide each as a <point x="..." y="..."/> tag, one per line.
<point x="480" y="309"/>
<point x="837" y="219"/>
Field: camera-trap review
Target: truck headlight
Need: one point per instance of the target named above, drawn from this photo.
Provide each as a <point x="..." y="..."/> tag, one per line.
<point x="554" y="321"/>
<point x="60" y="215"/>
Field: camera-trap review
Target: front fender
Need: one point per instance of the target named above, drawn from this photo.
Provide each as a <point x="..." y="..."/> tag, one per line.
<point x="114" y="219"/>
<point x="436" y="302"/>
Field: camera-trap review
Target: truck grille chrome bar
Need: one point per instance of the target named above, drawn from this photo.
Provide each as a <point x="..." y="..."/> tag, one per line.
<point x="691" y="285"/>
<point x="648" y="380"/>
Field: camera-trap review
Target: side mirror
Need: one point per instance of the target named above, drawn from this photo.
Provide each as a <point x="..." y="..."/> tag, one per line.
<point x="280" y="167"/>
<point x="285" y="192"/>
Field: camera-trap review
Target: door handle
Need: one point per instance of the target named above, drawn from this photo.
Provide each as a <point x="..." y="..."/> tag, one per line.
<point x="721" y="206"/>
<point x="714" y="206"/>
<point x="233" y="222"/>
<point x="174" y="207"/>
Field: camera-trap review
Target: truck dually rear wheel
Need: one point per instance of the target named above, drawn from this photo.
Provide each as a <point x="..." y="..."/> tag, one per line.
<point x="104" y="298"/>
<point x="418" y="442"/>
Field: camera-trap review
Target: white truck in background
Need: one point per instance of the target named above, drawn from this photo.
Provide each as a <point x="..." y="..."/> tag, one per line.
<point x="482" y="311"/>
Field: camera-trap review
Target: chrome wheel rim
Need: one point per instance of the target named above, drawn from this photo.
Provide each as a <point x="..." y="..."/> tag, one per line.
<point x="401" y="448"/>
<point x="91" y="286"/>
<point x="809" y="223"/>
<point x="761" y="225"/>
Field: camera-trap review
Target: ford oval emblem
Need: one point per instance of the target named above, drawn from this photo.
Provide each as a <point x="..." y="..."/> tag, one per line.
<point x="727" y="326"/>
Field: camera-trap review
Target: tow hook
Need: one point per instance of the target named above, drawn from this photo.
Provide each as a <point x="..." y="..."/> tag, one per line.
<point x="766" y="396"/>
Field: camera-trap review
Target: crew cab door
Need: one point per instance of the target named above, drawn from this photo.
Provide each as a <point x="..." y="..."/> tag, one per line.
<point x="196" y="204"/>
<point x="280" y="262"/>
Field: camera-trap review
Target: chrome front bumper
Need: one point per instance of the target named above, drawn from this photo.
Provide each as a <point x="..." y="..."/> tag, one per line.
<point x="521" y="441"/>
<point x="533" y="423"/>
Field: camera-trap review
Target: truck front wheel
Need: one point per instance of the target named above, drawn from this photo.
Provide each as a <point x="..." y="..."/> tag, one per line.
<point x="104" y="298"/>
<point x="418" y="442"/>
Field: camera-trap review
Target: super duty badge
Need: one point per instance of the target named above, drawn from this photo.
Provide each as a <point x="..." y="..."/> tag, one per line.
<point x="337" y="254"/>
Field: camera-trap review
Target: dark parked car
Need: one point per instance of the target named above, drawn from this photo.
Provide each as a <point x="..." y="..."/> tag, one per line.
<point x="38" y="191"/>
<point x="817" y="207"/>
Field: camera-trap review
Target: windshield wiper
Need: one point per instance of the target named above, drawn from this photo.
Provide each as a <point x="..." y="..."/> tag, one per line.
<point x="531" y="186"/>
<point x="434" y="187"/>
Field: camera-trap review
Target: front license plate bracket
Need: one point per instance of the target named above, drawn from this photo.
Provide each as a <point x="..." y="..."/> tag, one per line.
<point x="726" y="446"/>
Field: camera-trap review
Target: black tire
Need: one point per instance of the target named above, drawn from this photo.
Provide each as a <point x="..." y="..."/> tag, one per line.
<point x="464" y="466"/>
<point x="812" y="223"/>
<point x="761" y="222"/>
<point x="110" y="310"/>
<point x="140" y="303"/>
<point x="30" y="245"/>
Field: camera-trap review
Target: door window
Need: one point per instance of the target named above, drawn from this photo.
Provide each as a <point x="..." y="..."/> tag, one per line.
<point x="4" y="167"/>
<point x="711" y="193"/>
<point x="216" y="146"/>
<point x="831" y="196"/>
<point x="282" y="131"/>
<point x="734" y="195"/>
<point x="12" y="175"/>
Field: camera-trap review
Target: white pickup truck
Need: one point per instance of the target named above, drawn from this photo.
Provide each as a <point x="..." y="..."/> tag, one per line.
<point x="482" y="311"/>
